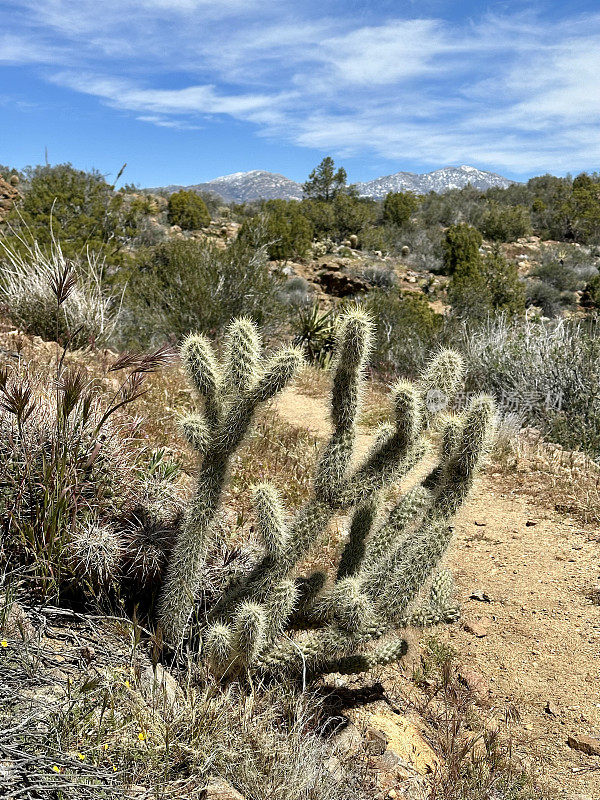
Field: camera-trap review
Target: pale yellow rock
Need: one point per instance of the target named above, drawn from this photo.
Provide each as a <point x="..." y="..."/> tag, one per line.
<point x="403" y="737"/>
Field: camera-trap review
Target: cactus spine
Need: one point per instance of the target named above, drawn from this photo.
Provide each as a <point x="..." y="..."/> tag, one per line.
<point x="272" y="620"/>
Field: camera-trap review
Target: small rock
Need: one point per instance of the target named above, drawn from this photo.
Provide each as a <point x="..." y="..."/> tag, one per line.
<point x="475" y="683"/>
<point x="218" y="789"/>
<point x="476" y="628"/>
<point x="334" y="766"/>
<point x="17" y="623"/>
<point x="159" y="686"/>
<point x="530" y="523"/>
<point x="348" y="741"/>
<point x="552" y="709"/>
<point x="376" y="742"/>
<point x="585" y="744"/>
<point x="87" y="653"/>
<point x="396" y="743"/>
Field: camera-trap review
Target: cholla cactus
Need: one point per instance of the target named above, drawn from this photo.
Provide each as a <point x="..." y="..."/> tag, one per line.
<point x="272" y="620"/>
<point x="231" y="392"/>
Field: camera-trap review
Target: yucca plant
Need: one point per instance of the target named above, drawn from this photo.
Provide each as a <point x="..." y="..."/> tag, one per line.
<point x="315" y="333"/>
<point x="388" y="577"/>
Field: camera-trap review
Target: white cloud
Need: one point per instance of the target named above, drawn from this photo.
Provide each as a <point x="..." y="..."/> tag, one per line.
<point x="200" y="99"/>
<point x="387" y="53"/>
<point x="18" y="50"/>
<point x="515" y="92"/>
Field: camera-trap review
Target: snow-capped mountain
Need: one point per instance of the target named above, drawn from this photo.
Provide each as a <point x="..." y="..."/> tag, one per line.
<point x="259" y="184"/>
<point x="241" y="186"/>
<point x="440" y="180"/>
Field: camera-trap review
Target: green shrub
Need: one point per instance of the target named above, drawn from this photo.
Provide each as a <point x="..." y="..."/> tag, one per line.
<point x="79" y="209"/>
<point x="586" y="208"/>
<point x="321" y="216"/>
<point x="489" y="285"/>
<point x="352" y="214"/>
<point x="185" y="285"/>
<point x="505" y="223"/>
<point x="506" y="289"/>
<point x="407" y="330"/>
<point x="282" y="228"/>
<point x="550" y="300"/>
<point x="188" y="210"/>
<point x="398" y="207"/>
<point x="559" y="275"/>
<point x="461" y="250"/>
<point x="591" y="294"/>
<point x="340" y="217"/>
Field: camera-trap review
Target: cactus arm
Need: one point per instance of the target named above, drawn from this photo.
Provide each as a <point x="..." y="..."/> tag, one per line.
<point x="272" y="524"/>
<point x="383" y="654"/>
<point x="353" y="347"/>
<point x="203" y="370"/>
<point x="242" y="355"/>
<point x="388" y="536"/>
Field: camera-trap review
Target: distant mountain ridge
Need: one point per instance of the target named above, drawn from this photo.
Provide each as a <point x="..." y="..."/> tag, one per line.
<point x="440" y="180"/>
<point x="258" y="184"/>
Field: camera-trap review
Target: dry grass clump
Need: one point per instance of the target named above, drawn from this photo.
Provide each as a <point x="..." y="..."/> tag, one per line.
<point x="89" y="315"/>
<point x="108" y="729"/>
<point x="547" y="371"/>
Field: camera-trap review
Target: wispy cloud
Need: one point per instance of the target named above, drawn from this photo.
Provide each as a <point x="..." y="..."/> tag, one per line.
<point x="518" y="91"/>
<point x="193" y="100"/>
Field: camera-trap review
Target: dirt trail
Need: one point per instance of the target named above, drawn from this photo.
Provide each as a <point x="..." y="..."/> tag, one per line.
<point x="541" y="633"/>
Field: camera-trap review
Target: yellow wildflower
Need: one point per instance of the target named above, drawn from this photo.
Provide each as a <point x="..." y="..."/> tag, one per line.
<point x="81" y="756"/>
<point x="4" y="643"/>
<point x="55" y="768"/>
<point x="142" y="736"/>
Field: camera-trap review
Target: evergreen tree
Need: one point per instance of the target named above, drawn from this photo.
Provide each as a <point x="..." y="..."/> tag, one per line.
<point x="461" y="249"/>
<point x="325" y="182"/>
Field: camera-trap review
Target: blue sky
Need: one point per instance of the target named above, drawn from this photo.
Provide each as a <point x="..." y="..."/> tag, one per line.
<point x="186" y="90"/>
